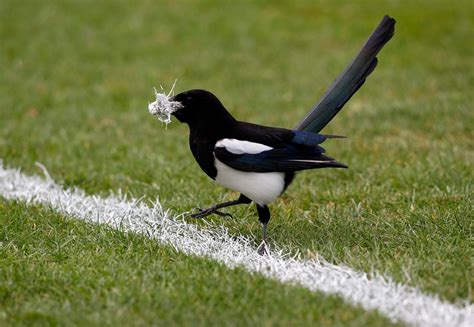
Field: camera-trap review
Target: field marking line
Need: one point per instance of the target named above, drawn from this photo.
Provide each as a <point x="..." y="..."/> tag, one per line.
<point x="396" y="301"/>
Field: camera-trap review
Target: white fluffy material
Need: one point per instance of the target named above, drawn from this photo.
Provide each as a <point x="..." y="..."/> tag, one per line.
<point x="396" y="301"/>
<point x="162" y="107"/>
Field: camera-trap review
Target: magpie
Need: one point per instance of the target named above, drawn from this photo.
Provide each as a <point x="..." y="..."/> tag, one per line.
<point x="258" y="161"/>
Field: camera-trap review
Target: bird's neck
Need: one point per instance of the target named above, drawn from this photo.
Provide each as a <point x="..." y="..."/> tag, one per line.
<point x="215" y="126"/>
<point x="212" y="132"/>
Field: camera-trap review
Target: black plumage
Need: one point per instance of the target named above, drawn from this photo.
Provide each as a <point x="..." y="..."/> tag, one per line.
<point x="259" y="161"/>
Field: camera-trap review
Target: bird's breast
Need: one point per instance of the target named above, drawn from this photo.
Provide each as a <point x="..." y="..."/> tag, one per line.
<point x="203" y="153"/>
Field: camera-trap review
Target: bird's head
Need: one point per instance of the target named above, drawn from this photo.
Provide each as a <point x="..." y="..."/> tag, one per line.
<point x="198" y="106"/>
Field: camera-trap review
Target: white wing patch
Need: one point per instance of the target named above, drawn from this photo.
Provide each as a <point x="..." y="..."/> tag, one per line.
<point x="315" y="161"/>
<point x="241" y="147"/>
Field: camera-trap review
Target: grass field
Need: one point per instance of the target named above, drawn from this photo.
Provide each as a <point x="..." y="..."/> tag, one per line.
<point x="76" y="80"/>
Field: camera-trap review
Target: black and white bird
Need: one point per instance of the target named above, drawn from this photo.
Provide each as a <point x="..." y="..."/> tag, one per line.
<point x="258" y="161"/>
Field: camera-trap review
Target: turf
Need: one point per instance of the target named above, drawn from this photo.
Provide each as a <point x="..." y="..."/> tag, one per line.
<point x="77" y="77"/>
<point x="62" y="272"/>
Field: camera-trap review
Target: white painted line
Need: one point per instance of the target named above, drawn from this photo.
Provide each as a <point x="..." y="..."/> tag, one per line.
<point x="396" y="301"/>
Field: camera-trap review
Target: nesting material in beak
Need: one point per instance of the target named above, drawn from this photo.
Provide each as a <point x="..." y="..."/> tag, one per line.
<point x="163" y="106"/>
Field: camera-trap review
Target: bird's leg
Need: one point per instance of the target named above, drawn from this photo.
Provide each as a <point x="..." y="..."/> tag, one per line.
<point x="215" y="208"/>
<point x="264" y="217"/>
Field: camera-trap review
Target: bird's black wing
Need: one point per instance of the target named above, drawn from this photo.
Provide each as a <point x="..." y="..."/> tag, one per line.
<point x="350" y="80"/>
<point x="300" y="153"/>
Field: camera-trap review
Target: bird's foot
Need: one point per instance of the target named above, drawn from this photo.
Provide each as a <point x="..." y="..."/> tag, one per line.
<point x="263" y="248"/>
<point x="211" y="210"/>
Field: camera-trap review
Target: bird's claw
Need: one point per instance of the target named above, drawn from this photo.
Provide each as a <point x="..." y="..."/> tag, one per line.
<point x="263" y="248"/>
<point x="223" y="214"/>
<point x="211" y="210"/>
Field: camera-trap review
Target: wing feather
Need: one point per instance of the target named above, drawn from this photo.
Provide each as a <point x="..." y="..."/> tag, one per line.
<point x="291" y="157"/>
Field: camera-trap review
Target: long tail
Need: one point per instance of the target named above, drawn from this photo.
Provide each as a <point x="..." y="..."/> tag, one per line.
<point x="350" y="80"/>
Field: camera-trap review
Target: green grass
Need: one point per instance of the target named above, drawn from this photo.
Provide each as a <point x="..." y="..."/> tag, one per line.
<point x="77" y="77"/>
<point x="57" y="271"/>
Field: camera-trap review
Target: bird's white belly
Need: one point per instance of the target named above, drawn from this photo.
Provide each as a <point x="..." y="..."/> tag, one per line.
<point x="262" y="188"/>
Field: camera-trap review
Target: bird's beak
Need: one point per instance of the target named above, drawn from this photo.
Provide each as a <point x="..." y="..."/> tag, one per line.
<point x="178" y="113"/>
